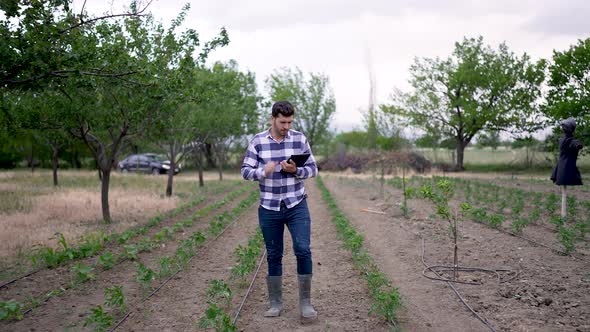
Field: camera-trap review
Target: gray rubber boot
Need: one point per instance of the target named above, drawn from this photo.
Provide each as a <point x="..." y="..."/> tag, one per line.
<point x="275" y="295"/>
<point x="305" y="307"/>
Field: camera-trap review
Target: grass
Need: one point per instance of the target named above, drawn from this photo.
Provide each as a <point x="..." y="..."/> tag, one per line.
<point x="32" y="210"/>
<point x="501" y="160"/>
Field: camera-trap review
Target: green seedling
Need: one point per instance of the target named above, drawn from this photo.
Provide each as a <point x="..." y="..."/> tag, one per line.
<point x="131" y="251"/>
<point x="83" y="272"/>
<point x="567" y="238"/>
<point x="145" y="275"/>
<point x="99" y="319"/>
<point x="216" y="318"/>
<point x="11" y="310"/>
<point x="115" y="298"/>
<point x="106" y="260"/>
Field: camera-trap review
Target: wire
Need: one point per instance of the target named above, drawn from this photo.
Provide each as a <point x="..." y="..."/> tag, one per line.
<point x="172" y="276"/>
<point x="483" y="320"/>
<point x="249" y="288"/>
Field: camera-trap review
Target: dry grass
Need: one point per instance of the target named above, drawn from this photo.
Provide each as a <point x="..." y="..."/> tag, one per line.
<point x="74" y="213"/>
<point x="32" y="210"/>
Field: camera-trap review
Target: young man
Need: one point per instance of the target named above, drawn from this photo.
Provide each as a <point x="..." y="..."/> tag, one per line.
<point x="283" y="202"/>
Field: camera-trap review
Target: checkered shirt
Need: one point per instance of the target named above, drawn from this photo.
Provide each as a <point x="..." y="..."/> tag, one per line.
<point x="278" y="186"/>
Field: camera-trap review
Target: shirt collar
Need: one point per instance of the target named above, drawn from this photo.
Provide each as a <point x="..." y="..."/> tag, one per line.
<point x="268" y="135"/>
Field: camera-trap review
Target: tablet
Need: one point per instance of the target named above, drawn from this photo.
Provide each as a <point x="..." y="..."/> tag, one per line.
<point x="299" y="159"/>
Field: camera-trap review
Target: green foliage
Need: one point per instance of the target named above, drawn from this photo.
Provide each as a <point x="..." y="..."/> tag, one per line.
<point x="115" y="298"/>
<point x="569" y="92"/>
<point x="219" y="296"/>
<point x="567" y="238"/>
<point x="106" y="260"/>
<point x="476" y="89"/>
<point x="83" y="272"/>
<point x="145" y="275"/>
<point x="11" y="310"/>
<point x="131" y="251"/>
<point x="313" y="99"/>
<point x="216" y="318"/>
<point x="99" y="319"/>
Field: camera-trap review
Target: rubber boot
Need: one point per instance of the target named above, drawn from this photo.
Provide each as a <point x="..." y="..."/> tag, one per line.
<point x="305" y="307"/>
<point x="275" y="295"/>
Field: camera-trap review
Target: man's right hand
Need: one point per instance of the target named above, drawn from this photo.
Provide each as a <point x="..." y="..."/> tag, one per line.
<point x="269" y="168"/>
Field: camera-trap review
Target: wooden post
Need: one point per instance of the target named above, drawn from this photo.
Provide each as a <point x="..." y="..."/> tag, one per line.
<point x="563" y="201"/>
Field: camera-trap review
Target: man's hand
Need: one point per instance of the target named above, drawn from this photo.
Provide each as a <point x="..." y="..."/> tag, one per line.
<point x="269" y="168"/>
<point x="289" y="166"/>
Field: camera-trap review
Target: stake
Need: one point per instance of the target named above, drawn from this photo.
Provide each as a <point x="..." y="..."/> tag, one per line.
<point x="563" y="201"/>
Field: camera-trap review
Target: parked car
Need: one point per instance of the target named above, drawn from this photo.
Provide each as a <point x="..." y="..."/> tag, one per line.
<point x="146" y="163"/>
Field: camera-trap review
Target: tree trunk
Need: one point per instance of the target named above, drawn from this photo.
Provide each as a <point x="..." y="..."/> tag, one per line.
<point x="54" y="164"/>
<point x="460" y="155"/>
<point x="104" y="197"/>
<point x="171" y="171"/>
<point x="220" y="166"/>
<point x="200" y="168"/>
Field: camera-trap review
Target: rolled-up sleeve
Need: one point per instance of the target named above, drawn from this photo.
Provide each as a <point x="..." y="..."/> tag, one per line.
<point x="251" y="169"/>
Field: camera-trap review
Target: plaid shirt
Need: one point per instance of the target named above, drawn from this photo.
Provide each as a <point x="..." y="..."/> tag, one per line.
<point x="278" y="186"/>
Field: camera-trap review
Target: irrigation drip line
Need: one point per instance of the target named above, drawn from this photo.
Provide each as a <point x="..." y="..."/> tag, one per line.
<point x="21" y="277"/>
<point x="122" y="320"/>
<point x="482" y="319"/>
<point x="544" y="245"/>
<point x="441" y="268"/>
<point x="249" y="288"/>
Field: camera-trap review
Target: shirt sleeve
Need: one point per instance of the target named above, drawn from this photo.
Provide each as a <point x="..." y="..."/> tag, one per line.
<point x="251" y="168"/>
<point x="310" y="169"/>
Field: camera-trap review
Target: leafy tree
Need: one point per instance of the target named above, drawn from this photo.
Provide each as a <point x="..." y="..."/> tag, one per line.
<point x="313" y="98"/>
<point x="477" y="88"/>
<point x="569" y="90"/>
<point x="489" y="139"/>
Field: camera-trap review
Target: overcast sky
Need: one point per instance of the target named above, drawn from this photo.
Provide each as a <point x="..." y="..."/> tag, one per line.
<point x="333" y="36"/>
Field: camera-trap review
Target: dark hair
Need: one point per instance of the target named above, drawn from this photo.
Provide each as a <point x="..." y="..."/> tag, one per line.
<point x="284" y="108"/>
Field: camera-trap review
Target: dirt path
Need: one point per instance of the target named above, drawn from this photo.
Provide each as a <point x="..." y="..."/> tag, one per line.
<point x="551" y="293"/>
<point x="339" y="294"/>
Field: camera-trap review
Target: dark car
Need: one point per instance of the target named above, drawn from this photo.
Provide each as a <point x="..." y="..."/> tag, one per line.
<point x="146" y="163"/>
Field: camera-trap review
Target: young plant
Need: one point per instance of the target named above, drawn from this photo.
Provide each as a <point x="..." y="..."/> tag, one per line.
<point x="115" y="298"/>
<point x="567" y="238"/>
<point x="106" y="260"/>
<point x="218" y="296"/>
<point x="131" y="252"/>
<point x="441" y="194"/>
<point x="145" y="275"/>
<point x="99" y="318"/>
<point x="83" y="272"/>
<point x="11" y="310"/>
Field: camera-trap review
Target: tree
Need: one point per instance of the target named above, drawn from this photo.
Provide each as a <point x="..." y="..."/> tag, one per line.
<point x="312" y="98"/>
<point x="489" y="139"/>
<point x="569" y="90"/>
<point x="476" y="89"/>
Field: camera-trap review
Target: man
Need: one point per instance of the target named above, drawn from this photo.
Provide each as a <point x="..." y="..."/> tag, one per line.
<point x="283" y="202"/>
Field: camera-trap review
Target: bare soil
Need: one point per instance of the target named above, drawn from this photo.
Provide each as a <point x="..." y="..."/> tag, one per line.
<point x="550" y="293"/>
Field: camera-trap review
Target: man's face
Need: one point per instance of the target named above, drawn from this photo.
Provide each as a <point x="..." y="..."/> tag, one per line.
<point x="281" y="125"/>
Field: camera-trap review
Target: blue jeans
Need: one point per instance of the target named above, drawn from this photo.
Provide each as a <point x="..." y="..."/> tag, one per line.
<point x="273" y="224"/>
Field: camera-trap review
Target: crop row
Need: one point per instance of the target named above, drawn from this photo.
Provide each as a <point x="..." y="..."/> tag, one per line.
<point x="493" y="205"/>
<point x="101" y="317"/>
<point x="93" y="243"/>
<point x="82" y="273"/>
<point x="386" y="298"/>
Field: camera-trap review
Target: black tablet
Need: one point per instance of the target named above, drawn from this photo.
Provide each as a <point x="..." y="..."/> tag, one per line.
<point x="299" y="159"/>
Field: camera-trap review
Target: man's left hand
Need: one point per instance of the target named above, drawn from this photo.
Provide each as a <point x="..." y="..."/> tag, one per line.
<point x="289" y="166"/>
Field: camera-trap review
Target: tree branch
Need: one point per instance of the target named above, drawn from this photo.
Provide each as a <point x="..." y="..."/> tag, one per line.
<point x="82" y="22"/>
